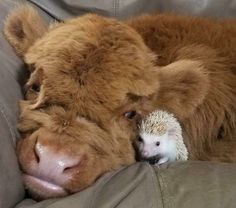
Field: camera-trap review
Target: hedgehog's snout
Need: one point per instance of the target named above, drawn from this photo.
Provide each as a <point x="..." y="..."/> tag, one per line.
<point x="152" y="160"/>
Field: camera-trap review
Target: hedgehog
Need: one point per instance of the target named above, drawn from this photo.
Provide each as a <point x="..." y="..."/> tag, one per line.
<point x="160" y="139"/>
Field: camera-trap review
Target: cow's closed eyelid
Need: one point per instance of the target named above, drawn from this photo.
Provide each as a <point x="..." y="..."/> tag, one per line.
<point x="35" y="87"/>
<point x="32" y="87"/>
<point x="31" y="67"/>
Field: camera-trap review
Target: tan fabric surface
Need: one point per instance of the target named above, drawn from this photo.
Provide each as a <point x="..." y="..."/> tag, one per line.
<point x="179" y="185"/>
<point x="198" y="184"/>
<point x="121" y="9"/>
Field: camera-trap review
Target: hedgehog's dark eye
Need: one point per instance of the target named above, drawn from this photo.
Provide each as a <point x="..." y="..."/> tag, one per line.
<point x="157" y="143"/>
<point x="130" y="114"/>
<point x="35" y="88"/>
<point x="140" y="139"/>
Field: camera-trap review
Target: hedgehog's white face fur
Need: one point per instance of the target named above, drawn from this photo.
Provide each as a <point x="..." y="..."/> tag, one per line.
<point x="157" y="148"/>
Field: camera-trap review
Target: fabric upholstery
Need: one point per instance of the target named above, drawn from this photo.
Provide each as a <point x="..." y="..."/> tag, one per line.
<point x="179" y="185"/>
<point x="121" y="9"/>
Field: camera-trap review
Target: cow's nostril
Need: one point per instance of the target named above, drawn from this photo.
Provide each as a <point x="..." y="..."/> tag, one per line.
<point x="36" y="152"/>
<point x="68" y="170"/>
<point x="36" y="156"/>
<point x="73" y="165"/>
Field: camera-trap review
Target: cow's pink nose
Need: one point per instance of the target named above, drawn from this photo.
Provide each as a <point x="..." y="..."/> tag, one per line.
<point x="54" y="165"/>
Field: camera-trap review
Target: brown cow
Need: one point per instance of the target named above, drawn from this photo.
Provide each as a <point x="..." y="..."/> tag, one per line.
<point x="93" y="78"/>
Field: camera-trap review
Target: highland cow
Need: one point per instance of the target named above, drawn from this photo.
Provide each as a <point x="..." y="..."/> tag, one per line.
<point x="93" y="79"/>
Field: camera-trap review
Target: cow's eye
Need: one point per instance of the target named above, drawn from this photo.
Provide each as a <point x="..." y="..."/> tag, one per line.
<point x="130" y="114"/>
<point x="35" y="88"/>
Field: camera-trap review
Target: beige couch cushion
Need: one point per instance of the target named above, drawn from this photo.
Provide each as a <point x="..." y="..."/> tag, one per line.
<point x="179" y="185"/>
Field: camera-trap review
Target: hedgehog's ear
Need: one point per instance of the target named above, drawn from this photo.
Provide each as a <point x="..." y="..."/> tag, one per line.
<point x="23" y="27"/>
<point x="183" y="87"/>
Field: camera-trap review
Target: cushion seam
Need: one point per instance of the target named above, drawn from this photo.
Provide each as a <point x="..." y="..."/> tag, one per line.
<point x="4" y="115"/>
<point x="165" y="198"/>
<point x="45" y="10"/>
<point x="155" y="180"/>
<point x="115" y="7"/>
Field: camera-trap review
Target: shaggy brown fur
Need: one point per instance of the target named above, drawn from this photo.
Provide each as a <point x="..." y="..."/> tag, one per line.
<point x="88" y="72"/>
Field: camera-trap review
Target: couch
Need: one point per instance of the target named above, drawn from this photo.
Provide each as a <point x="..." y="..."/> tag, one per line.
<point x="182" y="184"/>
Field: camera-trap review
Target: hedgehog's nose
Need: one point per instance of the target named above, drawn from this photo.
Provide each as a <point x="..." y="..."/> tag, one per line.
<point x="145" y="154"/>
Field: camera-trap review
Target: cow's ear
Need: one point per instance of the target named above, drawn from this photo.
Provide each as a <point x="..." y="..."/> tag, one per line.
<point x="23" y="27"/>
<point x="184" y="85"/>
